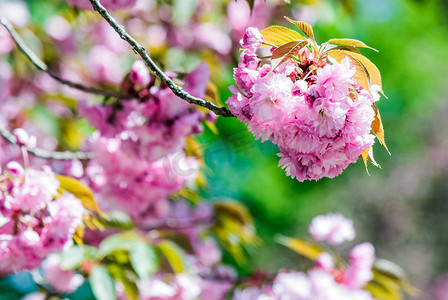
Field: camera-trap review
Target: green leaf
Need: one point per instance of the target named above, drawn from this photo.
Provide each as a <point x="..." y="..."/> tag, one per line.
<point x="117" y="219"/>
<point x="234" y="228"/>
<point x="234" y="210"/>
<point x="279" y="35"/>
<point x="80" y="191"/>
<point x="144" y="259"/>
<point x="305" y="249"/>
<point x="102" y="283"/>
<point x="383" y="290"/>
<point x="122" y="241"/>
<point x="394" y="272"/>
<point x="126" y="278"/>
<point x="72" y="258"/>
<point x="182" y="11"/>
<point x="174" y="255"/>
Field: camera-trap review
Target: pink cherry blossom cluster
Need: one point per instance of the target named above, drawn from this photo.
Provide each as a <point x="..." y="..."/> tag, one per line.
<point x="332" y="228"/>
<point x="325" y="280"/>
<point x="139" y="145"/>
<point x="183" y="286"/>
<point x="314" y="110"/>
<point x="65" y="281"/>
<point x="34" y="219"/>
<point x="109" y="4"/>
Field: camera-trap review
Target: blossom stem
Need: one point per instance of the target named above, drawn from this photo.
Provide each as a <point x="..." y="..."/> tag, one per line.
<point x="272" y="45"/>
<point x="26" y="160"/>
<point x="307" y="74"/>
<point x="175" y="224"/>
<point x="58" y="155"/>
<point x="38" y="63"/>
<point x="140" y="50"/>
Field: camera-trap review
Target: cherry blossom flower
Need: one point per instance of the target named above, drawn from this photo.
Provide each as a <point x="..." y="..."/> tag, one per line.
<point x="65" y="281"/>
<point x="332" y="228"/>
<point x="34" y="221"/>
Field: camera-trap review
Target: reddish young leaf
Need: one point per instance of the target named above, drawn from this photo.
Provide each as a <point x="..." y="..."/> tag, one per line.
<point x="286" y="51"/>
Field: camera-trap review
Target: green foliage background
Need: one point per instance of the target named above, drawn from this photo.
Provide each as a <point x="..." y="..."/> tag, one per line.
<point x="403" y="208"/>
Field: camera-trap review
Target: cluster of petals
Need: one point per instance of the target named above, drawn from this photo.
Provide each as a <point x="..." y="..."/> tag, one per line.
<point x="318" y="115"/>
<point x="34" y="220"/>
<point x="183" y="286"/>
<point x="154" y="125"/>
<point x="313" y="285"/>
<point x="145" y="140"/>
<point x="326" y="280"/>
<point x="109" y="4"/>
<point x="130" y="182"/>
<point x="65" y="281"/>
<point x="333" y="228"/>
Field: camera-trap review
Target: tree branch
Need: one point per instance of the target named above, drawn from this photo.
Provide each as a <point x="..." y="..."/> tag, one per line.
<point x="36" y="61"/>
<point x="140" y="50"/>
<point x="59" y="155"/>
<point x="176" y="224"/>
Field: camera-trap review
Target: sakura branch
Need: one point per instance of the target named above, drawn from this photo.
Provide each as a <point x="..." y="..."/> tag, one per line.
<point x="38" y="63"/>
<point x="177" y="224"/>
<point x="140" y="50"/>
<point x="58" y="155"/>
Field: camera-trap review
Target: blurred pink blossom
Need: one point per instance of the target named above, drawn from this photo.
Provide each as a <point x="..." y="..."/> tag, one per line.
<point x="23" y="139"/>
<point x="139" y="73"/>
<point x="109" y="4"/>
<point x="34" y="224"/>
<point x="332" y="228"/>
<point x="359" y="271"/>
<point x="65" y="281"/>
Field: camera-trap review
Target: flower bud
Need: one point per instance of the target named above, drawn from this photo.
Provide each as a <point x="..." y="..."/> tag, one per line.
<point x="14" y="168"/>
<point x="252" y="39"/>
<point x="248" y="60"/>
<point x="325" y="262"/>
<point x="23" y="139"/>
<point x="139" y="73"/>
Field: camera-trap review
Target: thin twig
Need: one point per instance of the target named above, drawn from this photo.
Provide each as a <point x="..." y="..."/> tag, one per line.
<point x="176" y="224"/>
<point x="36" y="61"/>
<point x="59" y="155"/>
<point x="140" y="50"/>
